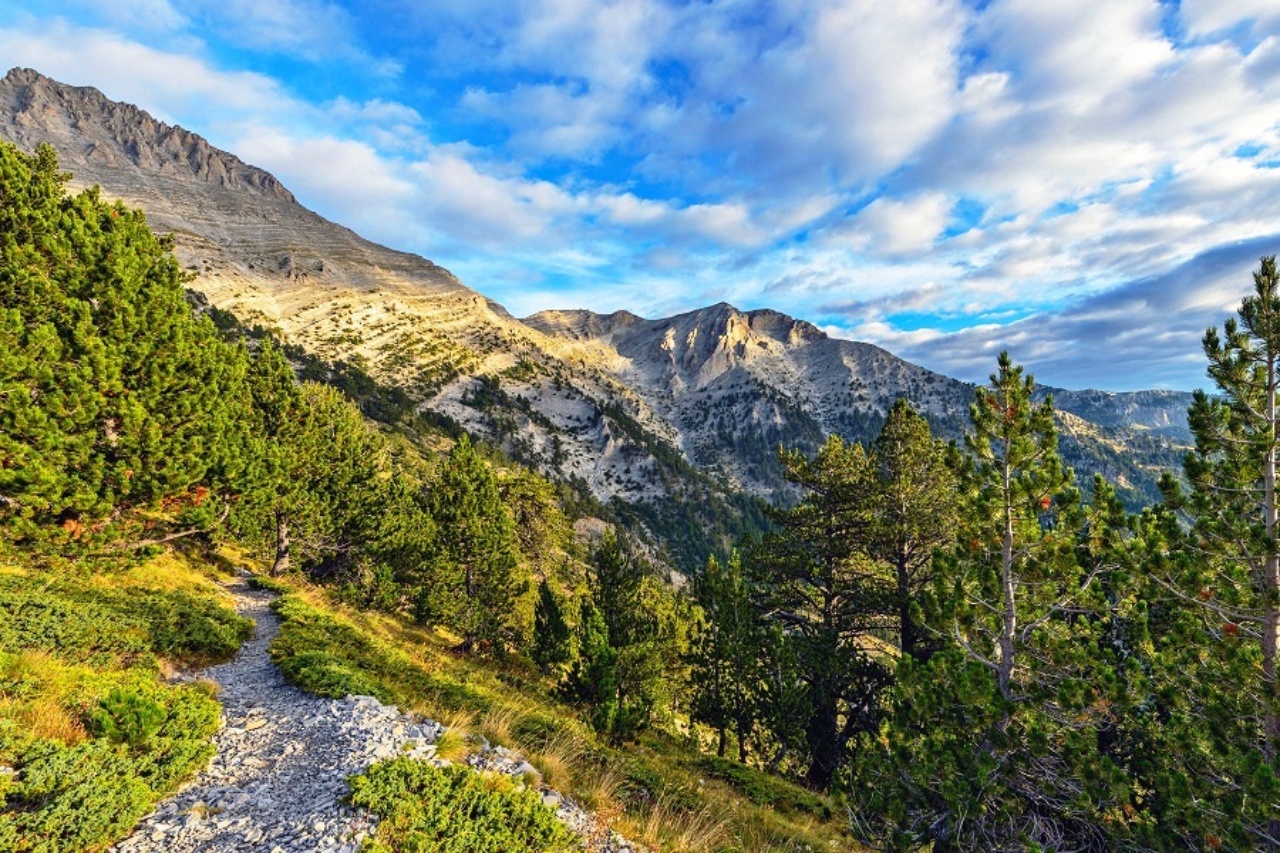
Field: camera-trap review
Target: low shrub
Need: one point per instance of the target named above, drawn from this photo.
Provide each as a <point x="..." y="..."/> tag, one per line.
<point x="453" y="809"/>
<point x="81" y="796"/>
<point x="126" y="716"/>
<point x="106" y="626"/>
<point x="328" y="656"/>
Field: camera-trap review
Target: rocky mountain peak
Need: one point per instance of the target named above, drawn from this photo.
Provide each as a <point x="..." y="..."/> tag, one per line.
<point x="94" y="134"/>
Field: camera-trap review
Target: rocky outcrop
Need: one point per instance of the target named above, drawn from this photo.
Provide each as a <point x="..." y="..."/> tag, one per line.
<point x="93" y="133"/>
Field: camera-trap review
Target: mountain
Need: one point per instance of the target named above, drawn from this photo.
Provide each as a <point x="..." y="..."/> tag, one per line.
<point x="675" y="422"/>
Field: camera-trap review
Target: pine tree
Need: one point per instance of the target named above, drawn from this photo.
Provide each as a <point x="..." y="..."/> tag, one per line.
<point x="615" y="589"/>
<point x="815" y="579"/>
<point x="725" y="655"/>
<point x="113" y="395"/>
<point x="918" y="500"/>
<point x="994" y="741"/>
<point x="1017" y="476"/>
<point x="1235" y="590"/>
<point x="551" y="633"/>
<point x="593" y="679"/>
<point x="274" y="493"/>
<point x="472" y="583"/>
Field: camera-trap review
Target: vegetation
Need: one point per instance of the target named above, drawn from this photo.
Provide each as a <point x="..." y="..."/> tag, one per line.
<point x="934" y="647"/>
<point x="455" y="810"/>
<point x="95" y="736"/>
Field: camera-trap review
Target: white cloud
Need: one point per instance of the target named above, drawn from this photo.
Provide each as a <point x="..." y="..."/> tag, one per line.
<point x="314" y="30"/>
<point x="1202" y="17"/>
<point x="897" y="227"/>
<point x="172" y="86"/>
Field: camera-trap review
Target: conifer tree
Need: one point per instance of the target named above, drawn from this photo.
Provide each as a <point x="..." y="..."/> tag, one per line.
<point x="593" y="679"/>
<point x="113" y="394"/>
<point x="472" y="583"/>
<point x="615" y="589"/>
<point x="273" y="489"/>
<point x="725" y="654"/>
<point x="815" y="580"/>
<point x="1017" y="477"/>
<point x="1234" y="591"/>
<point x="335" y="469"/>
<point x="918" y="512"/>
<point x="551" y="633"/>
<point x="994" y="741"/>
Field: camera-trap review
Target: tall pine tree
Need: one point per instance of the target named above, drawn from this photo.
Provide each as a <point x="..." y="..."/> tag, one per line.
<point x="1235" y="589"/>
<point x="471" y="582"/>
<point x="815" y="580"/>
<point x="918" y="513"/>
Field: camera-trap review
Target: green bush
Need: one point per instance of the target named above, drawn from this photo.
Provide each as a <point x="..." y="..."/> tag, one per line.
<point x="126" y="716"/>
<point x="429" y="809"/>
<point x="79" y="797"/>
<point x="74" y="629"/>
<point x="328" y="657"/>
<point x="101" y="627"/>
<point x="323" y="674"/>
<point x="193" y="628"/>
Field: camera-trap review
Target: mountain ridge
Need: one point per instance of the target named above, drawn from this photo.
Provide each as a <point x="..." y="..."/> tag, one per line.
<point x="634" y="410"/>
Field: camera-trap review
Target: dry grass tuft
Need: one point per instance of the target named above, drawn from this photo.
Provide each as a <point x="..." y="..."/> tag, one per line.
<point x="44" y="717"/>
<point x="598" y="789"/>
<point x="452" y="744"/>
<point x="560" y="760"/>
<point x="666" y="826"/>
<point x="497" y="723"/>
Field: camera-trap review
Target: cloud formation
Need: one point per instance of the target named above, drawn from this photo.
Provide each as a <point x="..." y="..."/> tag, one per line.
<point x="940" y="177"/>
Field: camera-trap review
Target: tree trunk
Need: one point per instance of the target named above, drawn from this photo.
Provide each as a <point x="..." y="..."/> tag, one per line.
<point x="1270" y="596"/>
<point x="1009" y="618"/>
<point x="281" y="564"/>
<point x="908" y="634"/>
<point x="722" y="744"/>
<point x="824" y="746"/>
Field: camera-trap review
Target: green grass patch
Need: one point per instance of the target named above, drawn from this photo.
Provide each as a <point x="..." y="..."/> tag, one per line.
<point x="764" y="789"/>
<point x="90" y="735"/>
<point x="325" y="654"/>
<point x="452" y="809"/>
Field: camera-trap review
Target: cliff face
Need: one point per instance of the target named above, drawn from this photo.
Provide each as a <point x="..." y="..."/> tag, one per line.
<point x="95" y="135"/>
<point x="626" y="405"/>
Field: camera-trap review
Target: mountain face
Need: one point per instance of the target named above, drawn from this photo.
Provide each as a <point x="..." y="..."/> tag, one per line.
<point x="673" y="419"/>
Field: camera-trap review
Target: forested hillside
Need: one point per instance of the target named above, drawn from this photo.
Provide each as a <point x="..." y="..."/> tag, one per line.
<point x="936" y="644"/>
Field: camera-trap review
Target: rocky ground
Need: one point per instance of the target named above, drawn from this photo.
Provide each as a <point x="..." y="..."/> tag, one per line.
<point x="283" y="756"/>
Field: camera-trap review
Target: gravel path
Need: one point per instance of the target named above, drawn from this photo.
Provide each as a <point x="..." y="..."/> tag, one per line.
<point x="283" y="756"/>
<point x="282" y="760"/>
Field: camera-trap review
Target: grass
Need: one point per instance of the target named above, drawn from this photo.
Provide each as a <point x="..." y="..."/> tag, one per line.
<point x="658" y="794"/>
<point x="92" y="732"/>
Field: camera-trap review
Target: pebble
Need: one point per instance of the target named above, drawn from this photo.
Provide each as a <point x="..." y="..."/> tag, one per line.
<point x="283" y="757"/>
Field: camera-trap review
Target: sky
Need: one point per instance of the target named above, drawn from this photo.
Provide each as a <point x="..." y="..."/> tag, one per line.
<point x="1086" y="183"/>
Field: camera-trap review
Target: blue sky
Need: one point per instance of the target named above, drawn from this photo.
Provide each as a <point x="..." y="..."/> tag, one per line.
<point x="1088" y="184"/>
